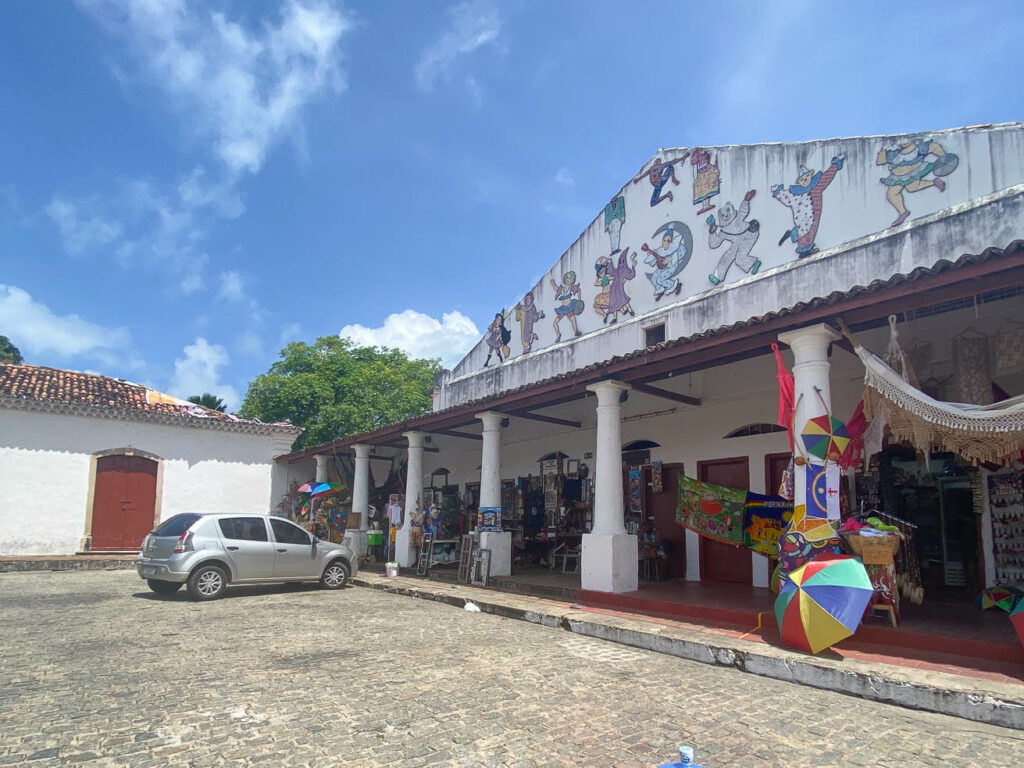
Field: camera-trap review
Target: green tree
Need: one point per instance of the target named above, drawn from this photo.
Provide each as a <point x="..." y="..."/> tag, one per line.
<point x="207" y="400"/>
<point x="334" y="388"/>
<point x="8" y="352"/>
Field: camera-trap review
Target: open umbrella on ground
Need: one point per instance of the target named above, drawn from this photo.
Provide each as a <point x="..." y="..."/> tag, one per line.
<point x="998" y="597"/>
<point x="825" y="437"/>
<point x="1017" y="618"/>
<point x="822" y="602"/>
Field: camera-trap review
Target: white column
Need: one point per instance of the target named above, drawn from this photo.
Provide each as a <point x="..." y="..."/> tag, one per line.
<point x="498" y="542"/>
<point x="360" y="499"/>
<point x="322" y="463"/>
<point x="405" y="553"/>
<point x="609" y="553"/>
<point x="812" y="392"/>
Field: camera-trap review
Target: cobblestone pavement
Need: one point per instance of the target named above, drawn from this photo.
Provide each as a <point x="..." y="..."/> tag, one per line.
<point x="95" y="670"/>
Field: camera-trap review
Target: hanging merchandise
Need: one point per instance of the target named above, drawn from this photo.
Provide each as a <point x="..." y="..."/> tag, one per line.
<point x="765" y="519"/>
<point x="1008" y="350"/>
<point x="786" y="486"/>
<point x="1006" y="502"/>
<point x="856" y="426"/>
<point x="825" y="437"/>
<point x="657" y="485"/>
<point x="636" y="498"/>
<point x="713" y="511"/>
<point x="787" y="394"/>
<point x="971" y="380"/>
<point x="823" y="490"/>
<point x="992" y="433"/>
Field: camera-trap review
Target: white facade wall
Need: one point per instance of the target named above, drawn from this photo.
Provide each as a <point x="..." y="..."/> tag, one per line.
<point x="46" y="464"/>
<point x="854" y="215"/>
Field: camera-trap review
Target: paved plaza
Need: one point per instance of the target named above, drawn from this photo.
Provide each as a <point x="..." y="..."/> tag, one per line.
<point x="95" y="670"/>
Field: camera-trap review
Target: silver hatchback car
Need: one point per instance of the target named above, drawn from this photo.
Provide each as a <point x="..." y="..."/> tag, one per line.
<point x="209" y="551"/>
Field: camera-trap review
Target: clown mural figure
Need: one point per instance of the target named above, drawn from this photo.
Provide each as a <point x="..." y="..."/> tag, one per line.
<point x="526" y="315"/>
<point x="804" y="198"/>
<point x="733" y="228"/>
<point x="669" y="258"/>
<point x="570" y="304"/>
<point x="620" y="273"/>
<point x="910" y="164"/>
<point x="604" y="282"/>
<point x="498" y="337"/>
<point x="614" y="218"/>
<point x="705" y="180"/>
<point x="660" y="174"/>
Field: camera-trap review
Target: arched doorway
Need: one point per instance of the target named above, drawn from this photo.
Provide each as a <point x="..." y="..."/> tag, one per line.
<point x="124" y="501"/>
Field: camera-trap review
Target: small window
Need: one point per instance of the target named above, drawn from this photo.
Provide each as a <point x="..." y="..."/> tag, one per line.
<point x="654" y="335"/>
<point x="175" y="526"/>
<point x="243" y="528"/>
<point x="755" y="429"/>
<point x="289" y="533"/>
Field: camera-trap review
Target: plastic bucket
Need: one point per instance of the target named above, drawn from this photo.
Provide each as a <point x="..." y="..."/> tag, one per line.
<point x="391" y="569"/>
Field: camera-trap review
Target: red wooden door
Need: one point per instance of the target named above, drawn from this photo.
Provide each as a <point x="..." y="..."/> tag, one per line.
<point x="718" y="561"/>
<point x="663" y="507"/>
<point x="124" y="502"/>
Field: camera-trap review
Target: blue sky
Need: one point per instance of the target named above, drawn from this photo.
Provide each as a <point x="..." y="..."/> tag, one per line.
<point x="185" y="187"/>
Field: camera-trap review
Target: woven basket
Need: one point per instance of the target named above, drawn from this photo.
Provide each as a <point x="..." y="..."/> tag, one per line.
<point x="873" y="550"/>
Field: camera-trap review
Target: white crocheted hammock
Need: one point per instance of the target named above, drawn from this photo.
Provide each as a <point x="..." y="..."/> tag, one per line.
<point x="992" y="433"/>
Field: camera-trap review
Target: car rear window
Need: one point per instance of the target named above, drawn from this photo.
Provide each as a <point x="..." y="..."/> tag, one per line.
<point x="175" y="526"/>
<point x="243" y="528"/>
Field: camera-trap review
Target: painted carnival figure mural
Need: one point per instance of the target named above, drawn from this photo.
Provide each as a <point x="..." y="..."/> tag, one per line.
<point x="621" y="272"/>
<point x="498" y="337"/>
<point x="804" y="198"/>
<point x="614" y="218"/>
<point x="570" y="304"/>
<point x="705" y="180"/>
<point x="732" y="228"/>
<point x="604" y="282"/>
<point x="910" y="164"/>
<point x="669" y="259"/>
<point x="526" y="315"/>
<point x="660" y="174"/>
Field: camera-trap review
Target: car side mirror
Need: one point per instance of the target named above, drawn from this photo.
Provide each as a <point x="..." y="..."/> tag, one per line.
<point x="315" y="541"/>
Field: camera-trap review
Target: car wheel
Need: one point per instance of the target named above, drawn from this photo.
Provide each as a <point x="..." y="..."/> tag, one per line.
<point x="335" y="575"/>
<point x="207" y="582"/>
<point x="164" y="587"/>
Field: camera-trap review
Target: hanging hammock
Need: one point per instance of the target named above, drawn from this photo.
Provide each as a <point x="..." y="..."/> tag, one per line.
<point x="991" y="433"/>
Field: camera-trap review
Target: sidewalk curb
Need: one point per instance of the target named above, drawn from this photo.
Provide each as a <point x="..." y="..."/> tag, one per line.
<point x="76" y="564"/>
<point x="1001" y="705"/>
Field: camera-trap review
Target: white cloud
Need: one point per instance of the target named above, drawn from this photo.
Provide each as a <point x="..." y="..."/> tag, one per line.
<point x="420" y="335"/>
<point x="79" y="233"/>
<point x="564" y="177"/>
<point x="232" y="286"/>
<point x="241" y="89"/>
<point x="472" y="24"/>
<point x="199" y="371"/>
<point x="36" y="330"/>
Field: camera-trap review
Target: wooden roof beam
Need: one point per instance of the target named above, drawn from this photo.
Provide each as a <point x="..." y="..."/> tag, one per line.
<point x="665" y="394"/>
<point x="547" y="419"/>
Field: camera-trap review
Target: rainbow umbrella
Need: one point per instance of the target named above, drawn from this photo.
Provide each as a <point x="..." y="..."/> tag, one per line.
<point x="321" y="488"/>
<point x="998" y="597"/>
<point x="822" y="602"/>
<point x="1017" y="618"/>
<point x="825" y="437"/>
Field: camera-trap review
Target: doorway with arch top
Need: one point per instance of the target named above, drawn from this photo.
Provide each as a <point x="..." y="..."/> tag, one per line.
<point x="123" y="501"/>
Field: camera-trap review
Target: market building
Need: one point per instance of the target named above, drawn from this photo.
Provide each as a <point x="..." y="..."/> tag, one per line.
<point x="644" y="360"/>
<point x="90" y="463"/>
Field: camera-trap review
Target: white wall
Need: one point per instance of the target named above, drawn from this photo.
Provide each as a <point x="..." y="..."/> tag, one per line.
<point x="854" y="207"/>
<point x="45" y="468"/>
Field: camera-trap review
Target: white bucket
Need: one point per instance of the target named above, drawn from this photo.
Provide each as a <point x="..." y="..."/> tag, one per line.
<point x="391" y="569"/>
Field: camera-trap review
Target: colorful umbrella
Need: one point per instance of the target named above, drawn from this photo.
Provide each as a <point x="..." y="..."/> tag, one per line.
<point x="822" y="602"/>
<point x="1017" y="618"/>
<point x="998" y="597"/>
<point x="825" y="437"/>
<point x="321" y="488"/>
<point x="305" y="487"/>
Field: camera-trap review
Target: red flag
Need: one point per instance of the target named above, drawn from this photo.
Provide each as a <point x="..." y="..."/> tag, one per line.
<point x="855" y="428"/>
<point x="786" y="395"/>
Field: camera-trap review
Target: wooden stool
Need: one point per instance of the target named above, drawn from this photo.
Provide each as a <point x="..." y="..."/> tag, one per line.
<point x="885" y="609"/>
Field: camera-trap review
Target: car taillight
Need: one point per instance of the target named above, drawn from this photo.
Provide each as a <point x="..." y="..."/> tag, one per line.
<point x="183" y="544"/>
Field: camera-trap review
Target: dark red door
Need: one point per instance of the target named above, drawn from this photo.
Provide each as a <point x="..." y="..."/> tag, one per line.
<point x="124" y="502"/>
<point x="718" y="561"/>
<point x="663" y="507"/>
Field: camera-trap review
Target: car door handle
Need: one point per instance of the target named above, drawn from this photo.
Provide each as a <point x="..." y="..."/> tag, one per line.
<point x="233" y="549"/>
<point x="282" y="550"/>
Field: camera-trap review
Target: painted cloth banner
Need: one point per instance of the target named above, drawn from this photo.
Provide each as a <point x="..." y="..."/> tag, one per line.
<point x="636" y="499"/>
<point x="711" y="510"/>
<point x="823" y="490"/>
<point x="764" y="521"/>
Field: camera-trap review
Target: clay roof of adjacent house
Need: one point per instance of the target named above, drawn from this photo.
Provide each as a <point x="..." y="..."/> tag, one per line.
<point x="39" y="388"/>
